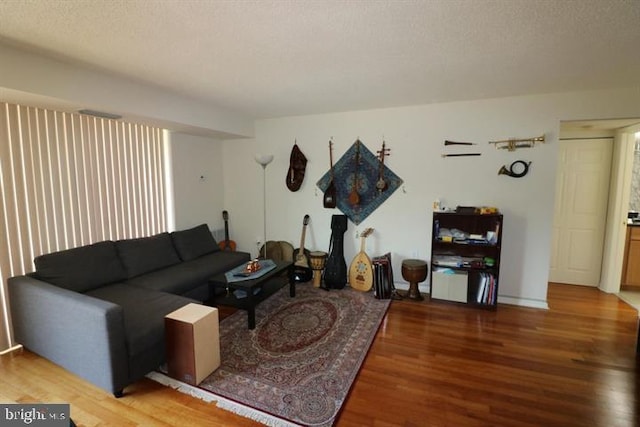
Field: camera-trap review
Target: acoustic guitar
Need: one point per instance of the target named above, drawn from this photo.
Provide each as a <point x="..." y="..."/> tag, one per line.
<point x="361" y="269"/>
<point x="302" y="271"/>
<point x="226" y="244"/>
<point x="329" y="199"/>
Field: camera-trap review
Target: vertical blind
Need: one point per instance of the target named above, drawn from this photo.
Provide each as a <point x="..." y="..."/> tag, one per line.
<point x="68" y="180"/>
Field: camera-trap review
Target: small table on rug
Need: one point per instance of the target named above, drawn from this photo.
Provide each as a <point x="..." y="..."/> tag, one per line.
<point x="247" y="293"/>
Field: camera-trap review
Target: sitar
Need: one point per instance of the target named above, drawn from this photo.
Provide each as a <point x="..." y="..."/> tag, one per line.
<point x="226" y="245"/>
<point x="382" y="185"/>
<point x="302" y="268"/>
<point x="354" y="197"/>
<point x="329" y="199"/>
<point x="361" y="269"/>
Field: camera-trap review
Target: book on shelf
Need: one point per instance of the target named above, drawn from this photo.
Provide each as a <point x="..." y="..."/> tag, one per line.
<point x="481" y="288"/>
<point x="486" y="288"/>
<point x="448" y="261"/>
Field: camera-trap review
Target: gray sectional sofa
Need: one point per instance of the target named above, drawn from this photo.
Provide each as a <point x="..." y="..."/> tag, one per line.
<point x="98" y="310"/>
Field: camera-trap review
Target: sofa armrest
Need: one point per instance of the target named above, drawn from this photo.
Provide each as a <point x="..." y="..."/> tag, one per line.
<point x="83" y="334"/>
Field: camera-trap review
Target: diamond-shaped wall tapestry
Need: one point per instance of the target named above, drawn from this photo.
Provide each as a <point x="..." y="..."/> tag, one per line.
<point x="368" y="173"/>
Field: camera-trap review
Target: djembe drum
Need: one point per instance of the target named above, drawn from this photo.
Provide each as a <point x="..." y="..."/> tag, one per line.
<point x="414" y="271"/>
<point x="317" y="259"/>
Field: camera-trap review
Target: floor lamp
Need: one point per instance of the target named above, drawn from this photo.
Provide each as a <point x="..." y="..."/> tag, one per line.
<point x="263" y="160"/>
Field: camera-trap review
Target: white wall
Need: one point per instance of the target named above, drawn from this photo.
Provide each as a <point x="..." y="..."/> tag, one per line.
<point x="197" y="181"/>
<point x="415" y="136"/>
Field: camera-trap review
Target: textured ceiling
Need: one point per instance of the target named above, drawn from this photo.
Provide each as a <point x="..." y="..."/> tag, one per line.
<point x="269" y="58"/>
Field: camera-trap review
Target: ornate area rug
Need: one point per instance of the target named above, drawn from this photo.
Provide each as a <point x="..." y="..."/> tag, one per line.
<point x="297" y="366"/>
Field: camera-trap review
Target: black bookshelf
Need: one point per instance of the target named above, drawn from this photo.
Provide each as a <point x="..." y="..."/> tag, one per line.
<point x="465" y="258"/>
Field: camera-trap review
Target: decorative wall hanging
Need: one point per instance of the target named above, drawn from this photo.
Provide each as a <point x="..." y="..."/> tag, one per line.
<point x="513" y="169"/>
<point x="297" y="165"/>
<point x="447" y="142"/>
<point x="512" y="144"/>
<point x="364" y="182"/>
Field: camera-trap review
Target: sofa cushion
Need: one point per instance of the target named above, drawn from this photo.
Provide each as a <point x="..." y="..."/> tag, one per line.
<point x="182" y="278"/>
<point x="83" y="268"/>
<point x="194" y="242"/>
<point x="144" y="312"/>
<point x="147" y="254"/>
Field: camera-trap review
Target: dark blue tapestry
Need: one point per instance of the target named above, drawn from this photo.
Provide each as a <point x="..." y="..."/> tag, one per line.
<point x="368" y="175"/>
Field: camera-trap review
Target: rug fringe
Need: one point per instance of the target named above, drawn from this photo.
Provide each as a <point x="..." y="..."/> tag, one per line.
<point x="221" y="402"/>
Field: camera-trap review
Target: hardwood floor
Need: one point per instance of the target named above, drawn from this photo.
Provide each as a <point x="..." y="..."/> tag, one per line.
<point x="431" y="364"/>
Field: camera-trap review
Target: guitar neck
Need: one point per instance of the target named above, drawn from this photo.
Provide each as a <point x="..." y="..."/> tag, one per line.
<point x="301" y="259"/>
<point x="304" y="232"/>
<point x="363" y="236"/>
<point x="226" y="230"/>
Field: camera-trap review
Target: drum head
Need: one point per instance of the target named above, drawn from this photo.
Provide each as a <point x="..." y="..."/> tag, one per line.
<point x="287" y="250"/>
<point x="274" y="250"/>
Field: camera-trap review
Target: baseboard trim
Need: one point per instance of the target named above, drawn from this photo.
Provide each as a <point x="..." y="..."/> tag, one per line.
<point x="404" y="286"/>
<point x="523" y="302"/>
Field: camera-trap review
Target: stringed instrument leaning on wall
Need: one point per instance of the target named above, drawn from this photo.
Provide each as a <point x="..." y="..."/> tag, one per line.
<point x="361" y="269"/>
<point x="226" y="244"/>
<point x="335" y="270"/>
<point x="302" y="271"/>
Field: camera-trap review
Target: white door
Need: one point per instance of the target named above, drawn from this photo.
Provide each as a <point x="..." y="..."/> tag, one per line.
<point x="582" y="191"/>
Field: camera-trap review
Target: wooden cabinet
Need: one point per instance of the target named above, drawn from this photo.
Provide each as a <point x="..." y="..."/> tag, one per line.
<point x="631" y="266"/>
<point x="465" y="258"/>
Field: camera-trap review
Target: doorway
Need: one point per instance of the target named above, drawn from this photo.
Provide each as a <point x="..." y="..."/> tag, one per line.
<point x="621" y="133"/>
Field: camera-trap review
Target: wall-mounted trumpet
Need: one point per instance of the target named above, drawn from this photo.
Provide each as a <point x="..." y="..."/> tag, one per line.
<point x="512" y="144"/>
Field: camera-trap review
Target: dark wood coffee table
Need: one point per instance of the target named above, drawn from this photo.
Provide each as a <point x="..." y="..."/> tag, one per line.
<point x="267" y="286"/>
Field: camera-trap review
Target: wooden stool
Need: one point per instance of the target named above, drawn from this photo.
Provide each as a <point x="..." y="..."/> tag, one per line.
<point x="414" y="271"/>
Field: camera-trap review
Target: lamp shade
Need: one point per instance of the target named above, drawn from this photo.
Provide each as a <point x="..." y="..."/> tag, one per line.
<point x="264" y="159"/>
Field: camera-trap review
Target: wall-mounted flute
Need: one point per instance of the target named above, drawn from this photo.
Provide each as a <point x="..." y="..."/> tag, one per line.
<point x="447" y="142"/>
<point x="461" y="154"/>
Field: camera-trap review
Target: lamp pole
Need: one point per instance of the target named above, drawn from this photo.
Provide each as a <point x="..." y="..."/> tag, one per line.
<point x="263" y="160"/>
